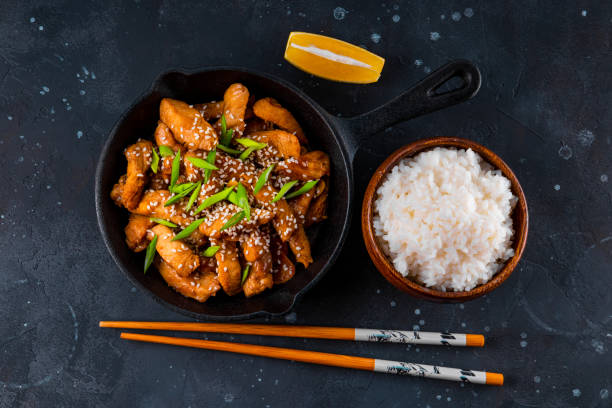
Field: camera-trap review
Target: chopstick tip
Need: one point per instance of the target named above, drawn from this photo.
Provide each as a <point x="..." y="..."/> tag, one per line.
<point x="495" y="379"/>
<point x="474" y="340"/>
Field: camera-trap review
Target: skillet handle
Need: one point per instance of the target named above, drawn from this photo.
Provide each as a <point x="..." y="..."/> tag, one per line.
<point x="424" y="97"/>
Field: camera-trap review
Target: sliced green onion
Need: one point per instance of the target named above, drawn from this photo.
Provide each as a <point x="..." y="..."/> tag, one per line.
<point x="150" y="254"/>
<point x="251" y="145"/>
<point x="281" y="193"/>
<point x="189" y="230"/>
<point x="155" y="162"/>
<point x="228" y="149"/>
<point x="215" y="198"/>
<point x="201" y="163"/>
<point x="243" y="200"/>
<point x="263" y="179"/>
<point x="233" y="198"/>
<point x="246" y="142"/>
<point x="163" y="222"/>
<point x="212" y="155"/>
<point x="227" y="138"/>
<point x="165" y="151"/>
<point x="226" y="134"/>
<point x="236" y="218"/>
<point x="177" y="197"/>
<point x="194" y="195"/>
<point x="246" y="153"/>
<point x="245" y="274"/>
<point x="210" y="251"/>
<point x="304" y="189"/>
<point x="223" y="124"/>
<point x="176" y="169"/>
<point x="181" y="188"/>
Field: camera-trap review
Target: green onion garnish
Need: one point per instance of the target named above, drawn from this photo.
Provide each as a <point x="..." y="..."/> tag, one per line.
<point x="233" y="198"/>
<point x="189" y="230"/>
<point x="175" y="198"/>
<point x="212" y="155"/>
<point x="150" y="254"/>
<point x="178" y="196"/>
<point x="165" y="151"/>
<point x="251" y="145"/>
<point x="223" y="125"/>
<point x="215" y="198"/>
<point x="194" y="195"/>
<point x="155" y="162"/>
<point x="163" y="222"/>
<point x="181" y="188"/>
<point x="210" y="251"/>
<point x="201" y="163"/>
<point x="176" y="168"/>
<point x="304" y="189"/>
<point x="245" y="274"/>
<point x="246" y="142"/>
<point x="246" y="153"/>
<point x="236" y="218"/>
<point x="226" y="135"/>
<point x="263" y="179"/>
<point x="243" y="200"/>
<point x="284" y="190"/>
<point x="228" y="149"/>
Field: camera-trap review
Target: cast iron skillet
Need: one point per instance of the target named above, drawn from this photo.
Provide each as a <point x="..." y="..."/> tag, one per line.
<point x="338" y="137"/>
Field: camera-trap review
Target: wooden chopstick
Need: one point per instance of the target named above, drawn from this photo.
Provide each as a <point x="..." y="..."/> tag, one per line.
<point x="314" y="332"/>
<point x="336" y="360"/>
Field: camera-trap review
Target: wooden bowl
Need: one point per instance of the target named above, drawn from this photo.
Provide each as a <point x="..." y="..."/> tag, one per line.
<point x="520" y="220"/>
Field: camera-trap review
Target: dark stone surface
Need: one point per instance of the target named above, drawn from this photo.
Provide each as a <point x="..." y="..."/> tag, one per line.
<point x="544" y="108"/>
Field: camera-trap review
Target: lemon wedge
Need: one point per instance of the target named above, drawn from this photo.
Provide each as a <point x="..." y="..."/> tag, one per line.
<point x="332" y="59"/>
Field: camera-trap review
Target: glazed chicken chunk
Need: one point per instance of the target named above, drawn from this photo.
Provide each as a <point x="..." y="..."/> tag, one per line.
<point x="199" y="285"/>
<point x="139" y="159"/>
<point x="187" y="125"/>
<point x="270" y="110"/>
<point x="175" y="253"/>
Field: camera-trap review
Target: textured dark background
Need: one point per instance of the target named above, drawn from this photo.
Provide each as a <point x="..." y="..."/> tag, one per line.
<point x="68" y="70"/>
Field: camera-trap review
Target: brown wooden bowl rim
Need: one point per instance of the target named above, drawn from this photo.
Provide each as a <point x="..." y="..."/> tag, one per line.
<point x="382" y="262"/>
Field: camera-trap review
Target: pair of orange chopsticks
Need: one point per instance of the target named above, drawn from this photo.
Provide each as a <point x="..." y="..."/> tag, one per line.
<point x="314" y="357"/>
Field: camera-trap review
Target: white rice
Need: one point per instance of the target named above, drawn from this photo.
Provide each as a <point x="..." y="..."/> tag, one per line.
<point x="443" y="217"/>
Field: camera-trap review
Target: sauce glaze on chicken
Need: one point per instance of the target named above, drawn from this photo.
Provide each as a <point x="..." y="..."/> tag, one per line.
<point x="260" y="249"/>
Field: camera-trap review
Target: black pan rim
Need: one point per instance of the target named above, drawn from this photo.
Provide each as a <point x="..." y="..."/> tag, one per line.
<point x="327" y="119"/>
